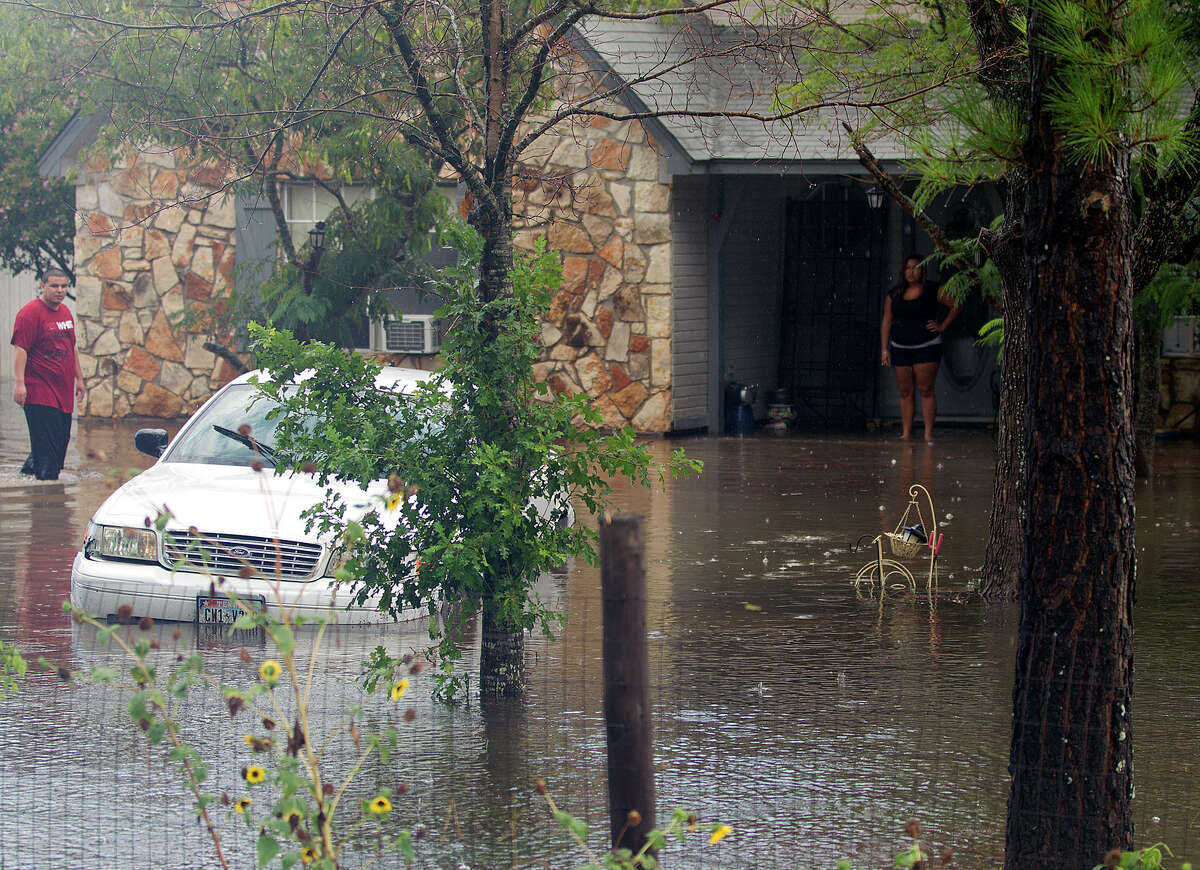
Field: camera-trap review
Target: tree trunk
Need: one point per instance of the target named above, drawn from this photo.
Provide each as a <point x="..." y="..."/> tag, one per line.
<point x="1071" y="754"/>
<point x="502" y="649"/>
<point x="1002" y="557"/>
<point x="1149" y="378"/>
<point x="501" y="657"/>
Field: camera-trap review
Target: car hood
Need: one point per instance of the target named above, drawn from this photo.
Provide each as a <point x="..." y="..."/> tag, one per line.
<point x="226" y="498"/>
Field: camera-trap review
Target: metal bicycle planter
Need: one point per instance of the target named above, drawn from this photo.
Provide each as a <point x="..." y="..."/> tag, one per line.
<point x="906" y="541"/>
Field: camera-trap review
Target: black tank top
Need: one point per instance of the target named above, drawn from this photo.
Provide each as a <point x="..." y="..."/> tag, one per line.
<point x="909" y="317"/>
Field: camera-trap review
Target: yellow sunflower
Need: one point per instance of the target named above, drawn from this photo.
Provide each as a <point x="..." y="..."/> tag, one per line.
<point x="398" y="689"/>
<point x="393" y="501"/>
<point x="270" y="670"/>
<point x="308" y="854"/>
<point x="253" y="774"/>
<point x="242" y="805"/>
<point x="381" y="806"/>
<point x="720" y="833"/>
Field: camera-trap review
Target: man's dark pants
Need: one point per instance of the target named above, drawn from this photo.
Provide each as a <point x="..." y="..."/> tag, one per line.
<point x="49" y="433"/>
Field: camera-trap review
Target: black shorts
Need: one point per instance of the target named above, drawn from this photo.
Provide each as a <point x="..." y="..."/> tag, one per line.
<point x="911" y="356"/>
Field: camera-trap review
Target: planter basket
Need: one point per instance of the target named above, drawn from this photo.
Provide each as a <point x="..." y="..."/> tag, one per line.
<point x="903" y="549"/>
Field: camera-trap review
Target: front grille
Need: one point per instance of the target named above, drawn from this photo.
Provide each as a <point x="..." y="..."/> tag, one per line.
<point x="226" y="555"/>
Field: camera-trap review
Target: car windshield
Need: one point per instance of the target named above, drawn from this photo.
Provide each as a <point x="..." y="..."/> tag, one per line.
<point x="218" y="437"/>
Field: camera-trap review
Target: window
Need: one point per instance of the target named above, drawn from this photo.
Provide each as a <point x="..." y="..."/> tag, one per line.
<point x="305" y="203"/>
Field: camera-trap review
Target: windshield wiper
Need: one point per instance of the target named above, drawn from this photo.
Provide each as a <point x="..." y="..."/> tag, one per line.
<point x="265" y="450"/>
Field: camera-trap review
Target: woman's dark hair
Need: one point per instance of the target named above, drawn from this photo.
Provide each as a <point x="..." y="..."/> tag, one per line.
<point x="897" y="289"/>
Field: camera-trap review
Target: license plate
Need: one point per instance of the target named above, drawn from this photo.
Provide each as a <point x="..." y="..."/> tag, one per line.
<point x="219" y="610"/>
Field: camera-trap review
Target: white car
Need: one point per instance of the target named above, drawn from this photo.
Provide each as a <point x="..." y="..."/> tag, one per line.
<point x="224" y="517"/>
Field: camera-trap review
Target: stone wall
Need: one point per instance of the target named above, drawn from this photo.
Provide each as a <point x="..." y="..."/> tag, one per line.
<point x="152" y="234"/>
<point x="591" y="189"/>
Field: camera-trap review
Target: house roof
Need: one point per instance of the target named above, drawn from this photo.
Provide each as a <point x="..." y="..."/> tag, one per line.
<point x="675" y="69"/>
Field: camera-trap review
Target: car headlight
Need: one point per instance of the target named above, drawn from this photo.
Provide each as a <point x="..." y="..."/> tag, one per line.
<point x="120" y="542"/>
<point x="338" y="558"/>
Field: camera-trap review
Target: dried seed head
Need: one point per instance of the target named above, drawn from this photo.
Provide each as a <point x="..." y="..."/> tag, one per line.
<point x="410" y="714"/>
<point x="145" y="623"/>
<point x="192" y="530"/>
<point x="234" y="703"/>
<point x="327" y="789"/>
<point x="540" y="786"/>
<point x="1113" y="858"/>
<point x="245" y="572"/>
<point x="154" y="644"/>
<point x="224" y="798"/>
<point x="418" y="831"/>
<point x="947" y="856"/>
<point x="244" y="655"/>
<point x="395" y="484"/>
<point x="269" y="724"/>
<point x="402" y="788"/>
<point x="64" y="674"/>
<point x="913" y="829"/>
<point x="309" y="468"/>
<point x="257" y="465"/>
<point x="633" y="818"/>
<point x="176" y="634"/>
<point x="244" y="429"/>
<point x="125" y="614"/>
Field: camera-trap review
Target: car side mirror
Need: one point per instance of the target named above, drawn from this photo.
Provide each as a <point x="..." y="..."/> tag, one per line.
<point x="152" y="442"/>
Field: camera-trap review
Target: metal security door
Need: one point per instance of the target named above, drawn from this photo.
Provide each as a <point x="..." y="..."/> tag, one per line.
<point x="832" y="300"/>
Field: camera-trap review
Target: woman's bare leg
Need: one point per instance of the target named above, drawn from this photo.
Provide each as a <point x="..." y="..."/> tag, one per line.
<point x="904" y="383"/>
<point x="926" y="377"/>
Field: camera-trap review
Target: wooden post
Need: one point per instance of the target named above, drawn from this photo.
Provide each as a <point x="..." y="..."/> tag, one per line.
<point x="626" y="680"/>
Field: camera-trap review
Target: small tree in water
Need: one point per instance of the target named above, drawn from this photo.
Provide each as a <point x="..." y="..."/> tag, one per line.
<point x="465" y="455"/>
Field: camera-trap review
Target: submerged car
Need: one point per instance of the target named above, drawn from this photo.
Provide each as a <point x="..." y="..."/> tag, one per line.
<point x="223" y="516"/>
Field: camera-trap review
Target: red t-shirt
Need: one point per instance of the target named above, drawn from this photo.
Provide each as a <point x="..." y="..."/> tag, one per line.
<point x="48" y="338"/>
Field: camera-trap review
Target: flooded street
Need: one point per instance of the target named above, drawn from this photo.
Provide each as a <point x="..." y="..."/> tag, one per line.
<point x="813" y="718"/>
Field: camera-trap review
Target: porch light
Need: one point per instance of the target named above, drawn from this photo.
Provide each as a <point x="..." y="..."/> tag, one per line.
<point x="316" y="236"/>
<point x="874" y="197"/>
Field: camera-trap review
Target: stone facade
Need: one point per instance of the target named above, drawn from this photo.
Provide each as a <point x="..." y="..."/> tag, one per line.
<point x="591" y="189"/>
<point x="152" y="235"/>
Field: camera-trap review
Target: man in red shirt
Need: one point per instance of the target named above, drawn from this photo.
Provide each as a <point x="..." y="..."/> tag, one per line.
<point x="45" y="368"/>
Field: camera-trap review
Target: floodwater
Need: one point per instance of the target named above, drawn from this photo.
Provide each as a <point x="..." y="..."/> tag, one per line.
<point x="813" y="717"/>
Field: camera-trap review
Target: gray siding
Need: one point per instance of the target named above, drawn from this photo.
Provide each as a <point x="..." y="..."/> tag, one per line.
<point x="14" y="293"/>
<point x="689" y="289"/>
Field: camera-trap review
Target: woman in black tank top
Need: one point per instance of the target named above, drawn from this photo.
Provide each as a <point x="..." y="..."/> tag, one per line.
<point x="911" y="339"/>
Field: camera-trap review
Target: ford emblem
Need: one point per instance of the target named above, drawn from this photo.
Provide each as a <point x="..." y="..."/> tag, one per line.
<point x="239" y="552"/>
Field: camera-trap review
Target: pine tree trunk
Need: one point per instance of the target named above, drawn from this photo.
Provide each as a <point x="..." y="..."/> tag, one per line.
<point x="1071" y="755"/>
<point x="1002" y="557"/>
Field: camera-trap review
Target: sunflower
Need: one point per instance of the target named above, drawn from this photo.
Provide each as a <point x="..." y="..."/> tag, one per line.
<point x="270" y="670"/>
<point x="720" y="833"/>
<point x="242" y="805"/>
<point x="253" y="774"/>
<point x="381" y="806"/>
<point x="293" y="818"/>
<point x="308" y="854"/>
<point x="393" y="501"/>
<point x="398" y="689"/>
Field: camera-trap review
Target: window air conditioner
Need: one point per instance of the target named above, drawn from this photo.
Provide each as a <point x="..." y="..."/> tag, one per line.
<point x="414" y="333"/>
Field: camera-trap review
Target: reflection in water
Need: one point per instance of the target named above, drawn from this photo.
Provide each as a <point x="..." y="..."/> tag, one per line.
<point x="815" y="721"/>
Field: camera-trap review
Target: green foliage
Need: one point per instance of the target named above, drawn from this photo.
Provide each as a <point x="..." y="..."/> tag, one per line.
<point x="12" y="668"/>
<point x="1173" y="292"/>
<point x="303" y="817"/>
<point x="466" y="455"/>
<point x="373" y="245"/>
<point x="37" y="226"/>
<point x="1150" y="858"/>
<point x="681" y="825"/>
